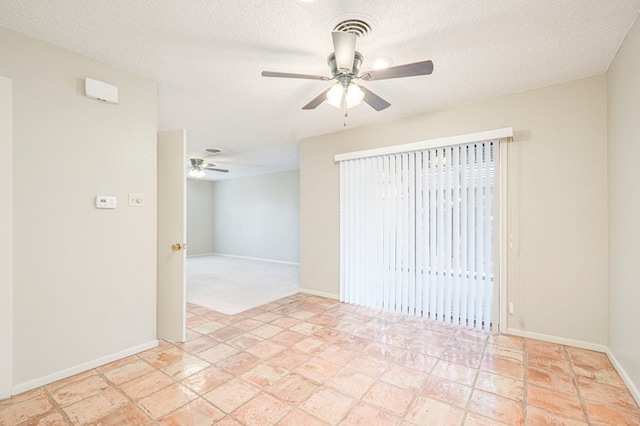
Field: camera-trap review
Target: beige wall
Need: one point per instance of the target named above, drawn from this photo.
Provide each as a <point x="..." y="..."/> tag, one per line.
<point x="623" y="81"/>
<point x="558" y="267"/>
<point x="6" y="244"/>
<point x="84" y="278"/>
<point x="199" y="217"/>
<point x="258" y="216"/>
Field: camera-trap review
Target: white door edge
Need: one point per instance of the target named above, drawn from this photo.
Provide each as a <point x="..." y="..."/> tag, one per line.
<point x="171" y="287"/>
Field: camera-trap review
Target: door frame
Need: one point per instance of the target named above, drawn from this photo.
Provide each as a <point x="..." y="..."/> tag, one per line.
<point x="6" y="238"/>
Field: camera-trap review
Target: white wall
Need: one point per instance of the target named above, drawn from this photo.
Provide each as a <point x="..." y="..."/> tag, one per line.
<point x="258" y="216"/>
<point x="6" y="239"/>
<point x="84" y="278"/>
<point x="623" y="81"/>
<point x="558" y="267"/>
<point x="199" y="217"/>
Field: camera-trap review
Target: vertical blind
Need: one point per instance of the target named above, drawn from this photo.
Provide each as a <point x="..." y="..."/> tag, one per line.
<point x="416" y="233"/>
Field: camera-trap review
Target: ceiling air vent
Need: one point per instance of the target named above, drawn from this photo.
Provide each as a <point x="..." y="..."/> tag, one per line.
<point x="361" y="25"/>
<point x="213" y="151"/>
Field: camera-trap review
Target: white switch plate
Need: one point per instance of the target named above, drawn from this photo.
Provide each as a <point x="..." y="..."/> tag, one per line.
<point x="136" y="200"/>
<point x="106" y="202"/>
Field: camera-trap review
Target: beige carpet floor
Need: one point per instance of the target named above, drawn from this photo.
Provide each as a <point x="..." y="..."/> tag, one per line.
<point x="232" y="285"/>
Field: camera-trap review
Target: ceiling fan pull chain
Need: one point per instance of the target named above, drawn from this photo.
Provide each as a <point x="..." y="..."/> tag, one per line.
<point x="344" y="106"/>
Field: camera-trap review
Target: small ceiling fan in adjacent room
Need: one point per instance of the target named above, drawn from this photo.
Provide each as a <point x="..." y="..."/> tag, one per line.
<point x="344" y="64"/>
<point x="199" y="168"/>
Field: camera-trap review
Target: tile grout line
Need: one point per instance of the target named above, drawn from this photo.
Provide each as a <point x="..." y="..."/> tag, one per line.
<point x="58" y="408"/>
<point x="473" y="384"/>
<point x="576" y="383"/>
<point x="121" y="391"/>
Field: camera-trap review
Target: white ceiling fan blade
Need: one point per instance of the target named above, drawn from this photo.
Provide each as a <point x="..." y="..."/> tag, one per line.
<point x="292" y="75"/>
<point x="214" y="169"/>
<point x="344" y="47"/>
<point x="373" y="100"/>
<point x="400" y="71"/>
<point x="315" y="102"/>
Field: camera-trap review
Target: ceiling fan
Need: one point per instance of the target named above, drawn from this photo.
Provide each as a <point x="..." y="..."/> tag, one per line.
<point x="198" y="167"/>
<point x="345" y="65"/>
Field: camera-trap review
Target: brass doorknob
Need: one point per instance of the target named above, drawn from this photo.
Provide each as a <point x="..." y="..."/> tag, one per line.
<point x="176" y="247"/>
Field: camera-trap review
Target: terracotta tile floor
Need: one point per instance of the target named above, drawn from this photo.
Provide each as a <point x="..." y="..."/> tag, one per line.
<point x="306" y="360"/>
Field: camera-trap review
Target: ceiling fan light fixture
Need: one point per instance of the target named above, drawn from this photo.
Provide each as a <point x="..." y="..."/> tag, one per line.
<point x="350" y="93"/>
<point x="354" y="95"/>
<point x="197" y="172"/>
<point x="335" y="94"/>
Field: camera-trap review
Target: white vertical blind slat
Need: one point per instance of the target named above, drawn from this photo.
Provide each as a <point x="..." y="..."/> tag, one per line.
<point x="401" y="241"/>
<point x="479" y="236"/>
<point x="488" y="165"/>
<point x="387" y="232"/>
<point x="471" y="234"/>
<point x="343" y="229"/>
<point x="411" y="234"/>
<point x="419" y="264"/>
<point x="455" y="255"/>
<point x="433" y="214"/>
<point x="357" y="232"/>
<point x="378" y="249"/>
<point x="440" y="238"/>
<point x="464" y="237"/>
<point x="353" y="224"/>
<point x="395" y="282"/>
<point x="369" y="228"/>
<point x="402" y="234"/>
<point x="425" y="237"/>
<point x="448" y="237"/>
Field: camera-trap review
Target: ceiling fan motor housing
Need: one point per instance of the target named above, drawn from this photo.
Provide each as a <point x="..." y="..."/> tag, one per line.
<point x="196" y="162"/>
<point x="357" y="61"/>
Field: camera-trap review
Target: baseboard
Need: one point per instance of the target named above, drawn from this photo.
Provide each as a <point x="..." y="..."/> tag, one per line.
<point x="200" y="254"/>
<point x="32" y="384"/>
<point x="625" y="377"/>
<point x="256" y="258"/>
<point x="559" y="340"/>
<point x="319" y="293"/>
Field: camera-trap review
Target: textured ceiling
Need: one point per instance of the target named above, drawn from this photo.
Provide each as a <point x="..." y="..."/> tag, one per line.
<point x="207" y="55"/>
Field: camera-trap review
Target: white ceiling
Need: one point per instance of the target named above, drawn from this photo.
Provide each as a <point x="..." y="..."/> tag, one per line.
<point x="207" y="55"/>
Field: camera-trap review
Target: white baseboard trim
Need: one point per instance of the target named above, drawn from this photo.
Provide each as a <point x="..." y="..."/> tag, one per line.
<point x="559" y="340"/>
<point x="256" y="258"/>
<point x="200" y="254"/>
<point x="319" y="293"/>
<point x="32" y="384"/>
<point x="625" y="377"/>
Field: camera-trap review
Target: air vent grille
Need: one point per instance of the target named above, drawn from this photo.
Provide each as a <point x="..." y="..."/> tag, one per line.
<point x="354" y="26"/>
<point x="213" y="151"/>
<point x="361" y="25"/>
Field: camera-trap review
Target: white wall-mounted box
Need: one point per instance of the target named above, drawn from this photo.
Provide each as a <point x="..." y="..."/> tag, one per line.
<point x="101" y="91"/>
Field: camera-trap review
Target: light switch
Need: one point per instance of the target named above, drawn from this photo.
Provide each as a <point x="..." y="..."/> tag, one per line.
<point x="106" y="202"/>
<point x="136" y="200"/>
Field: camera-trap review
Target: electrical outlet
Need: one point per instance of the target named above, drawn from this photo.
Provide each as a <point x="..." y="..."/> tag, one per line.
<point x="136" y="200"/>
<point x="511" y="308"/>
